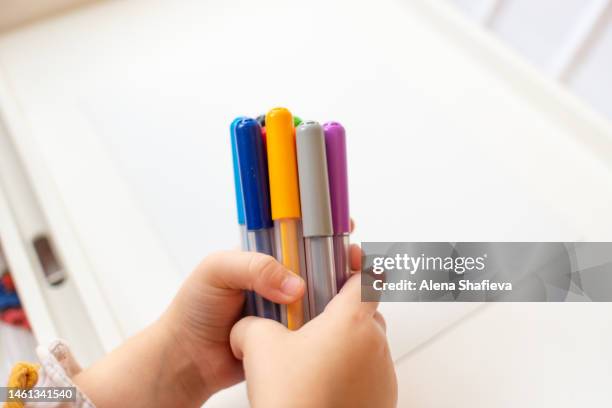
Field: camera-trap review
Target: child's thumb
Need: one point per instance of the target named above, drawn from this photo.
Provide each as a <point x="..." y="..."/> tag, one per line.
<point x="252" y="271"/>
<point x="251" y="331"/>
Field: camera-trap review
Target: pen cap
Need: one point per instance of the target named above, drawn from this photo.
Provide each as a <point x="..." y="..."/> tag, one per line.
<point x="253" y="174"/>
<point x="282" y="164"/>
<point x="261" y="119"/>
<point x="335" y="148"/>
<point x="237" y="186"/>
<point x="314" y="185"/>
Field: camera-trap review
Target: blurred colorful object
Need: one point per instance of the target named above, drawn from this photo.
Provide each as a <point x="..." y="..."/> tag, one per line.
<point x="15" y="317"/>
<point x="7" y="281"/>
<point x="11" y="311"/>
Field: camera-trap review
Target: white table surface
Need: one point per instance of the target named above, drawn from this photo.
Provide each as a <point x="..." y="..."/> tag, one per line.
<point x="445" y="145"/>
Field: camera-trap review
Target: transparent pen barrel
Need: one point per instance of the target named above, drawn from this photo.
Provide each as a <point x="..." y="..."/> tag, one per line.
<point x="262" y="241"/>
<point x="342" y="259"/>
<point x="319" y="254"/>
<point x="290" y="252"/>
<point x="249" y="301"/>
<point x="244" y="239"/>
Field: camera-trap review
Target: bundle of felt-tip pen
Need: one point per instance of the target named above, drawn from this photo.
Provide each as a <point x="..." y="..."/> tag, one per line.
<point x="292" y="197"/>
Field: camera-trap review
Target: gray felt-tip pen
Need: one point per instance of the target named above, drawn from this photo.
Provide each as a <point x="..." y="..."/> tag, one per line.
<point x="316" y="215"/>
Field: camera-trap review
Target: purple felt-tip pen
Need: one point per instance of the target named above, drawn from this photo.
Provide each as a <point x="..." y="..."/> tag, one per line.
<point x="335" y="146"/>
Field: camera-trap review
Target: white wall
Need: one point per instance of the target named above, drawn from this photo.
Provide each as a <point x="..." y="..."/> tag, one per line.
<point x="568" y="39"/>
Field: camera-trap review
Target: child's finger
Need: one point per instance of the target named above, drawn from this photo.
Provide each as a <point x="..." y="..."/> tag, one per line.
<point x="381" y="321"/>
<point x="355" y="257"/>
<point x="253" y="271"/>
<point x="349" y="299"/>
<point x="249" y="331"/>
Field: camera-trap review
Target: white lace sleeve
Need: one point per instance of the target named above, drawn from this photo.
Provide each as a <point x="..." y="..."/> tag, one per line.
<point x="57" y="367"/>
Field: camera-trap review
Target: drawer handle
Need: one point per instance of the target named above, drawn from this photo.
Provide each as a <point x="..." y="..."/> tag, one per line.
<point x="48" y="260"/>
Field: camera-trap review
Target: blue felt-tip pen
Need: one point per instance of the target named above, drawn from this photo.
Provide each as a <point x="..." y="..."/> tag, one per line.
<point x="249" y="306"/>
<point x="253" y="168"/>
<point x="237" y="186"/>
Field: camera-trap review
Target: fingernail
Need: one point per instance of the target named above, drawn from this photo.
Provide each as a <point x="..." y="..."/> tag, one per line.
<point x="291" y="286"/>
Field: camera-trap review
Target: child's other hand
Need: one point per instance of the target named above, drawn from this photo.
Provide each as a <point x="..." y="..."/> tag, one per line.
<point x="210" y="301"/>
<point x="185" y="356"/>
<point x="339" y="359"/>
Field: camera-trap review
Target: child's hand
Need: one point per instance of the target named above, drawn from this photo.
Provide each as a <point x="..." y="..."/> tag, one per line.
<point x="185" y="357"/>
<point x="211" y="301"/>
<point x="339" y="359"/>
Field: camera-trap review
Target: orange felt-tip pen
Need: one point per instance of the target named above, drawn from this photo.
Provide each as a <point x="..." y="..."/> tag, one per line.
<point x="285" y="202"/>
